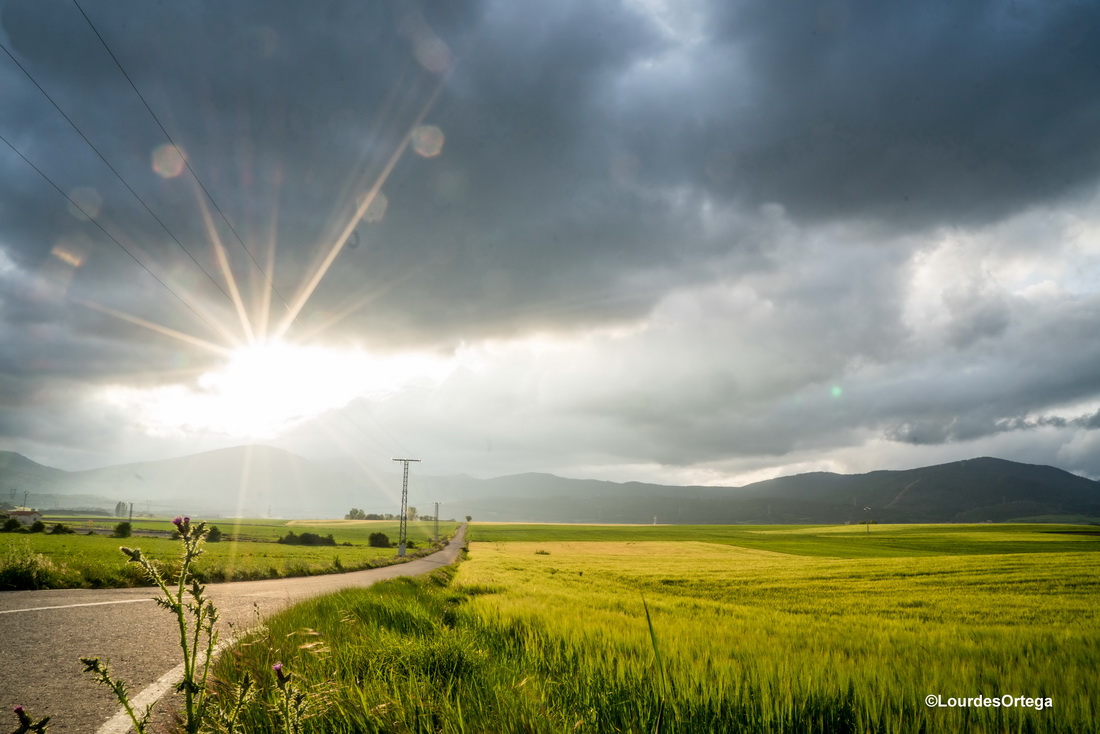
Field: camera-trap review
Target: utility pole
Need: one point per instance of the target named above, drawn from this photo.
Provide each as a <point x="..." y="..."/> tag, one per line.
<point x="131" y="512"/>
<point x="25" y="500"/>
<point x="436" y="522"/>
<point x="401" y="540"/>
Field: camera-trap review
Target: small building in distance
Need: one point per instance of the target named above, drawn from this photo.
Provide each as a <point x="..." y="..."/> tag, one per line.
<point x="25" y="516"/>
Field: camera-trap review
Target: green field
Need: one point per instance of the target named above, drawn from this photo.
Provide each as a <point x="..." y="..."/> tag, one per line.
<point x="37" y="560"/>
<point x="549" y="634"/>
<point x="841" y="541"/>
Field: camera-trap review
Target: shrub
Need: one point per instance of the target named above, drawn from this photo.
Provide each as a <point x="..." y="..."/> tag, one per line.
<point x="123" y="530"/>
<point x="22" y="568"/>
<point x="61" y="529"/>
<point x="213" y="536"/>
<point x="378" y="540"/>
<point x="38" y="527"/>
<point x="11" y="525"/>
<point x="306" y="539"/>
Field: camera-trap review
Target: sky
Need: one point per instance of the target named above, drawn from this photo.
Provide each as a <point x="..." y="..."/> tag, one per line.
<point x="675" y="242"/>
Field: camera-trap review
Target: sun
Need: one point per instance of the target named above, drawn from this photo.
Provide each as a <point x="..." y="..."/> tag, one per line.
<point x="261" y="390"/>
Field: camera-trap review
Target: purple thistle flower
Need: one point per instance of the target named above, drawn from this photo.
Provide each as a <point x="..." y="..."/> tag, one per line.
<point x="186" y="520"/>
<point x="18" y="710"/>
<point x="177" y="521"/>
<point x="277" y="667"/>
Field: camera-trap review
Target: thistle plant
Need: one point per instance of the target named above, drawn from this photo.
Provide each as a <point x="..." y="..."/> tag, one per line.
<point x="226" y="717"/>
<point x="26" y="724"/>
<point x="292" y="703"/>
<point x="196" y="617"/>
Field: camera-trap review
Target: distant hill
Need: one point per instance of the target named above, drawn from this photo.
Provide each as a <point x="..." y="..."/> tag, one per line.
<point x="257" y="480"/>
<point x="249" y="481"/>
<point x="19" y="477"/>
<point x="976" y="490"/>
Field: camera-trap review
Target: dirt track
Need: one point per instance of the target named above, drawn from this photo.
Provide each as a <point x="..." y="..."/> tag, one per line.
<point x="44" y="633"/>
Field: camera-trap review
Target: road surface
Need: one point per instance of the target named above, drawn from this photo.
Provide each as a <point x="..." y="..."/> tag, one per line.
<point x="43" y="634"/>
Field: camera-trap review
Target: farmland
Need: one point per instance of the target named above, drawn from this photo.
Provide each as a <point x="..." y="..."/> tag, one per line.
<point x="248" y="551"/>
<point x="815" y="633"/>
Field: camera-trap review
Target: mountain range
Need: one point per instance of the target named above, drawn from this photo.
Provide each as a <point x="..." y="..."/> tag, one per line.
<point x="257" y="481"/>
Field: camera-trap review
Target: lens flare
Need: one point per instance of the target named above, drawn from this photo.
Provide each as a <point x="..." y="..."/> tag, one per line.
<point x="84" y="202"/>
<point x="168" y="161"/>
<point x="377" y="209"/>
<point x="427" y="141"/>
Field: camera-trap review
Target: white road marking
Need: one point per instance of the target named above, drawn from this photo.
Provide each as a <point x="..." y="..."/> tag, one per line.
<point x="70" y="606"/>
<point x="120" y="723"/>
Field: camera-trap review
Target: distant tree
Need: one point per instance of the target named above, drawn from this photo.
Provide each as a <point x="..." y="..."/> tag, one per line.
<point x="378" y="540"/>
<point x="356" y="514"/>
<point x="215" y="535"/>
<point x="120" y="509"/>
<point x="469" y="518"/>
<point x="375" y="516"/>
<point x="11" y="525"/>
<point x="38" y="527"/>
<point x="306" y="539"/>
<point x="123" y="530"/>
<point x="410" y="512"/>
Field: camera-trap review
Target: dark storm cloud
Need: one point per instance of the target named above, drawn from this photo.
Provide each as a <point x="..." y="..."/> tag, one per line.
<point x="284" y="117"/>
<point x="601" y="167"/>
<point x="906" y="113"/>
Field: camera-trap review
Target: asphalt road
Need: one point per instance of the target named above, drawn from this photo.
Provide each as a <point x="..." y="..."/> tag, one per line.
<point x="43" y="634"/>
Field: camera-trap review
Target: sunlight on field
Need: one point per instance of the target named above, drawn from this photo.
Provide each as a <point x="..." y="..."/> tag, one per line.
<point x="248" y="551"/>
<point x="837" y="541"/>
<point x="550" y="634"/>
<point x="731" y="620"/>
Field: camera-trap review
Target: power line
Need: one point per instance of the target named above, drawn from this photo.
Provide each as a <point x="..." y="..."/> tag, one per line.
<point x="113" y="170"/>
<point x="94" y="221"/>
<point x="186" y="162"/>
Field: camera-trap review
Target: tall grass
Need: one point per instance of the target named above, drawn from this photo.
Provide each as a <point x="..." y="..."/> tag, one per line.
<point x="748" y="640"/>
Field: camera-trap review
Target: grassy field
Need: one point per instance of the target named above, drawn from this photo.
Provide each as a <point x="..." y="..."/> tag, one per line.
<point x="248" y="552"/>
<point x="841" y="541"/>
<point x="550" y="634"/>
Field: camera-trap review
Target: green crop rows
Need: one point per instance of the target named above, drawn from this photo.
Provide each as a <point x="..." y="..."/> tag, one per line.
<point x="756" y="629"/>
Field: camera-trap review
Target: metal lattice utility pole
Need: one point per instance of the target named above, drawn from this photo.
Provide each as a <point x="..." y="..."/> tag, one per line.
<point x="401" y="540"/>
<point x="437" y="522"/>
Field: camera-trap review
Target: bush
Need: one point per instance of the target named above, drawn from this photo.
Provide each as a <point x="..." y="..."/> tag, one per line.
<point x="22" y="568"/>
<point x="306" y="539"/>
<point x="11" y="525"/>
<point x="123" y="530"/>
<point x="38" y="527"/>
<point x="61" y="529"/>
<point x="378" y="540"/>
<point x="214" y="536"/>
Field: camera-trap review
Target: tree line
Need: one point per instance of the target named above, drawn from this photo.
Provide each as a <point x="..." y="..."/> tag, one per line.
<point x="357" y="514"/>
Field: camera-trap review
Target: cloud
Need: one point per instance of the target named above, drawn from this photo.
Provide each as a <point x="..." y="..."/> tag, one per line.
<point x="701" y="241"/>
<point x="909" y="115"/>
